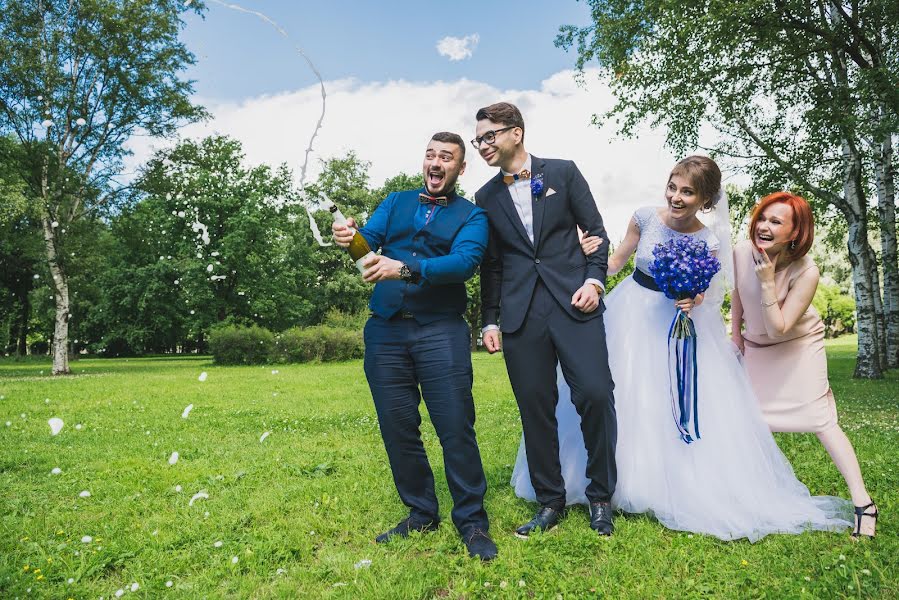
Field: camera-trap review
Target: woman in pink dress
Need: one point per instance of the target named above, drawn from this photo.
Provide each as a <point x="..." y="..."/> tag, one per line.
<point x="783" y="338"/>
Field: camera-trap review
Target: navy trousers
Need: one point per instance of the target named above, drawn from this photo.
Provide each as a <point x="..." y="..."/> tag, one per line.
<point x="549" y="336"/>
<point x="406" y="361"/>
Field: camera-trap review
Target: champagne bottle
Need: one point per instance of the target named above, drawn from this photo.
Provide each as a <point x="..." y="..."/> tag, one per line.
<point x="359" y="249"/>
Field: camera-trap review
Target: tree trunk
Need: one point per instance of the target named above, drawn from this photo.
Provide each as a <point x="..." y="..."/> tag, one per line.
<point x="60" y="350"/>
<point x="886" y="210"/>
<point x="22" y="329"/>
<point x="864" y="271"/>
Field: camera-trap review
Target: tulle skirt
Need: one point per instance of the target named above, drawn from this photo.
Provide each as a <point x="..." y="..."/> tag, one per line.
<point x="733" y="482"/>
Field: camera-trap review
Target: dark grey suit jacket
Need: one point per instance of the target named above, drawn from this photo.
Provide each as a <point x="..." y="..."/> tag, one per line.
<point x="512" y="263"/>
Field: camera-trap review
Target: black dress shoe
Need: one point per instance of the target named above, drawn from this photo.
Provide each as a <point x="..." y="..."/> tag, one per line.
<point x="601" y="518"/>
<point x="407" y="526"/>
<point x="545" y="519"/>
<point x="480" y="545"/>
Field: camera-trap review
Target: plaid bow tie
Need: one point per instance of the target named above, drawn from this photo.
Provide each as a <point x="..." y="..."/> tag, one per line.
<point x="426" y="199"/>
<point x="510" y="179"/>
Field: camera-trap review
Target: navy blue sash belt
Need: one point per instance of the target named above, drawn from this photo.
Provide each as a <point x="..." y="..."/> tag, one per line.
<point x="646" y="280"/>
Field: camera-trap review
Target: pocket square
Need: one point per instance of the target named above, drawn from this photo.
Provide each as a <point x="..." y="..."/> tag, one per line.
<point x="550" y="192"/>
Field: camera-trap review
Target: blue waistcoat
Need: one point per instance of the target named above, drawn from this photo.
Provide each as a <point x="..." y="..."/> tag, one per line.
<point x="405" y="242"/>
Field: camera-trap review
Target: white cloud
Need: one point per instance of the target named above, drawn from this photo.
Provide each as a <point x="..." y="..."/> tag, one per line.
<point x="390" y="123"/>
<point x="458" y="48"/>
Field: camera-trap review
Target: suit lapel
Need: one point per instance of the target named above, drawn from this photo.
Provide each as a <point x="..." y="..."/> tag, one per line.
<point x="504" y="199"/>
<point x="538" y="203"/>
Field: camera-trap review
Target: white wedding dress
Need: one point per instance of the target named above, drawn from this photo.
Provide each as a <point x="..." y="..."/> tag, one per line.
<point x="732" y="483"/>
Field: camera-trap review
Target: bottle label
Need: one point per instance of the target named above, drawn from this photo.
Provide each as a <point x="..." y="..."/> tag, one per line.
<point x="362" y="260"/>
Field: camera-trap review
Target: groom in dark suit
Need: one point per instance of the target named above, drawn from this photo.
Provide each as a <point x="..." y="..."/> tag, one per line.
<point x="539" y="289"/>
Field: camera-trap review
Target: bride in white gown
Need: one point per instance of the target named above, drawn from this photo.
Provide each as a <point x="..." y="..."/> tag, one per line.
<point x="733" y="482"/>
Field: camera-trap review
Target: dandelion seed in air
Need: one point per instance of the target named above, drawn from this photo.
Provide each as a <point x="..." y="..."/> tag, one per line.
<point x="186" y="412"/>
<point x="201" y="495"/>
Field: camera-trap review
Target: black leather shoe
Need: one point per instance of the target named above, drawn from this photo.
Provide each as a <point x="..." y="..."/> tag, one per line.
<point x="407" y="526"/>
<point x="601" y="518"/>
<point x="480" y="545"/>
<point x="545" y="519"/>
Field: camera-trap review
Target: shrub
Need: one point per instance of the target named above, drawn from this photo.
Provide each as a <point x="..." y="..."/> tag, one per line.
<point x="236" y="345"/>
<point x="320" y="343"/>
<point x="837" y="310"/>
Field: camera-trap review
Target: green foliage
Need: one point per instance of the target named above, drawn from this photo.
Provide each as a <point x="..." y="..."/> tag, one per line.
<point x="321" y="343"/>
<point x="239" y="345"/>
<point x="837" y="310"/>
<point x="236" y="345"/>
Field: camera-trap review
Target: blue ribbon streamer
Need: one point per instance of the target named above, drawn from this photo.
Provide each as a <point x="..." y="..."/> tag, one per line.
<point x="685" y="377"/>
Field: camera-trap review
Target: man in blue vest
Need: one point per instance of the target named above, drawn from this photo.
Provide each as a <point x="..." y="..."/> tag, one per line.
<point x="417" y="344"/>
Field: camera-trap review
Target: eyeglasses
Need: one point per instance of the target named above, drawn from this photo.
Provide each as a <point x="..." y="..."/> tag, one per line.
<point x="489" y="137"/>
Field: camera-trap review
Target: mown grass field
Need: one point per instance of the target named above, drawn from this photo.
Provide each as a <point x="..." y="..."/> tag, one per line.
<point x="294" y="515"/>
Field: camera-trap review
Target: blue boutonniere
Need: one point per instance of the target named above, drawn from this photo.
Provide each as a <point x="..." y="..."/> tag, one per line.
<point x="537" y="185"/>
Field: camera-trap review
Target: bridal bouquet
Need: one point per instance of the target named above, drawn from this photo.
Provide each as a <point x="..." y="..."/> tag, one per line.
<point x="682" y="268"/>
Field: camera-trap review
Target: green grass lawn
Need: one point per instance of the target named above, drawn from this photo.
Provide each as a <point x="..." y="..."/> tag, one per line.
<point x="294" y="515"/>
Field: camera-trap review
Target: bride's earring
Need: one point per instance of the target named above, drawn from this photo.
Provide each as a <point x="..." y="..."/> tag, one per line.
<point x="793" y="245"/>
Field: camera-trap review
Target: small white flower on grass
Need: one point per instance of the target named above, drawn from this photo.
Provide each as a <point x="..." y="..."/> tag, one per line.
<point x="807" y="578"/>
<point x="119" y="593"/>
<point x="78" y="426"/>
<point x="178" y="488"/>
<point x="84" y="494"/>
<point x="201" y="495"/>
<point x="155" y="532"/>
<point x="47" y="400"/>
<point x="56" y="471"/>
<point x="521" y="583"/>
<point x="866" y="572"/>
<point x="218" y="544"/>
<point x="263" y="436"/>
<point x="134" y="587"/>
<point x="206" y="515"/>
<point x="274" y="371"/>
<point x="70" y="581"/>
<point x="186" y="412"/>
<point x="234" y="560"/>
<point x="280" y="572"/>
<point x="363" y="564"/>
<point x="87" y="539"/>
<point x="202" y="376"/>
<point x="504" y="584"/>
<point x="169" y="584"/>
<point x="339" y="584"/>
<point x="173" y="458"/>
<point x="9" y="423"/>
<point x="56" y="425"/>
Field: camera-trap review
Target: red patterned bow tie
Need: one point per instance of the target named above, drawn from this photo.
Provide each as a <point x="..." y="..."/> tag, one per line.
<point x="426" y="199"/>
<point x="510" y="179"/>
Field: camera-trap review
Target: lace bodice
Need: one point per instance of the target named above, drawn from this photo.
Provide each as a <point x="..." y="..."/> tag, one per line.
<point x="653" y="231"/>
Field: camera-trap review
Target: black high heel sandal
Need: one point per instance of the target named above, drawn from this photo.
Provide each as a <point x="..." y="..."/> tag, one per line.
<point x="859" y="513"/>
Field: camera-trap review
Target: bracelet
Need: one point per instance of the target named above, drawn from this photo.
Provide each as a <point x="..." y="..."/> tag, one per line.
<point x="767" y="304"/>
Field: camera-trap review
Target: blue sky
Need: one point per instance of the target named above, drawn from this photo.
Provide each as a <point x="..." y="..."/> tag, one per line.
<point x="389" y="89"/>
<point x="239" y="55"/>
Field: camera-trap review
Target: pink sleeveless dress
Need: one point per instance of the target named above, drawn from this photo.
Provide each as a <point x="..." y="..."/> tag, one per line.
<point x="787" y="372"/>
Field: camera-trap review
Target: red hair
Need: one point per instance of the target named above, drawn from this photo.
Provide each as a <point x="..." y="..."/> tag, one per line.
<point x="803" y="221"/>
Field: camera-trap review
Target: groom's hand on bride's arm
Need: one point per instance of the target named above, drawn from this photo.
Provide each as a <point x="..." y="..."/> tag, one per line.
<point x="586" y="299"/>
<point x="492" y="341"/>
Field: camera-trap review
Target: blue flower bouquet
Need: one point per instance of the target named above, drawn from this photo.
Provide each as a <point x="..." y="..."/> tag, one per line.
<point x="682" y="268"/>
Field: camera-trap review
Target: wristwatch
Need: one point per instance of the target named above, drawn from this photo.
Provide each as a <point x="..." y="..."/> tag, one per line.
<point x="407" y="275"/>
<point x="599" y="289"/>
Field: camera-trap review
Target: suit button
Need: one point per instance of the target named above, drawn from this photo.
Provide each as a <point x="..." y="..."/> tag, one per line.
<point x="537" y="262"/>
<point x="413" y="254"/>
